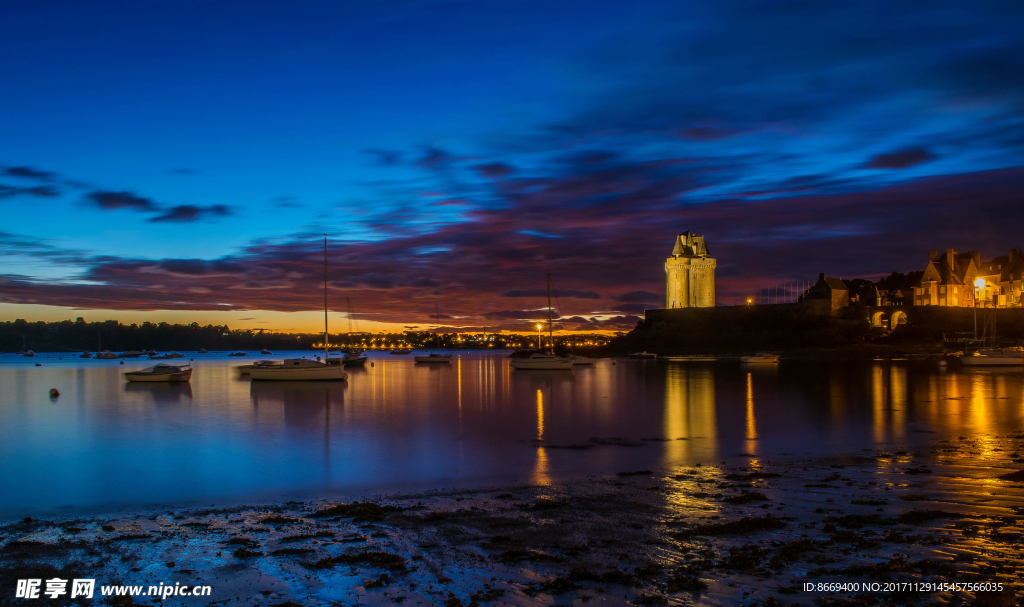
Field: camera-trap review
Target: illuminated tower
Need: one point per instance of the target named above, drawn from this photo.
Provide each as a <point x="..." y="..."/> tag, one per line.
<point x="690" y="274"/>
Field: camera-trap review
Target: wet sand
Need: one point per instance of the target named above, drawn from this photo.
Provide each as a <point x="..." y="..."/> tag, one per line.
<point x="708" y="534"/>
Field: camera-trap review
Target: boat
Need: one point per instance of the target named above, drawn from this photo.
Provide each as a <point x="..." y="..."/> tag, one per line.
<point x="203" y="351"/>
<point x="167" y="356"/>
<point x="301" y="369"/>
<point x="246" y="369"/>
<point x="131" y="354"/>
<point x="265" y="351"/>
<point x="994" y="357"/>
<point x="161" y="373"/>
<point x="760" y="359"/>
<point x="298" y="369"/>
<point x="544" y="361"/>
<point x="107" y="355"/>
<point x="581" y="360"/>
<point x="86" y="355"/>
<point x="398" y="351"/>
<point x="353" y="359"/>
<point x="643" y="355"/>
<point x="152" y="353"/>
<point x="690" y="358"/>
<point x="28" y="354"/>
<point x="434" y="357"/>
<point x="238" y="354"/>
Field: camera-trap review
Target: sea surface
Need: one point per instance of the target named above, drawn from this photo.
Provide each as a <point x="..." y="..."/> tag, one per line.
<point x="397" y="426"/>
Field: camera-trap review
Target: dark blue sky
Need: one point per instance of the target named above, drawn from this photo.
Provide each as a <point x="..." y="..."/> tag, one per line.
<point x="187" y="156"/>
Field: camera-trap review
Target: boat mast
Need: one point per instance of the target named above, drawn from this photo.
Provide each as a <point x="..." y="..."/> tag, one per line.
<point x="327" y="349"/>
<point x="551" y="341"/>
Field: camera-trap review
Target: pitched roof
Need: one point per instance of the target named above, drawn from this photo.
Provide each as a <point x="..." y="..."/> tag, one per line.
<point x="688" y="245"/>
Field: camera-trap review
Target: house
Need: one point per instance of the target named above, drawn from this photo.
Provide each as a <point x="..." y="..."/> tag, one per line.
<point x="948" y="279"/>
<point x="958" y="279"/>
<point x="833" y="290"/>
<point x="1004" y="281"/>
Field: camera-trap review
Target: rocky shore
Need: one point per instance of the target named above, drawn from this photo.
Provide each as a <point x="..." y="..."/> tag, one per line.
<point x="711" y="534"/>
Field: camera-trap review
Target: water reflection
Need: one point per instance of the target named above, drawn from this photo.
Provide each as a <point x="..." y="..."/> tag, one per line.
<point x="399" y="424"/>
<point x="689" y="411"/>
<point x="161" y="393"/>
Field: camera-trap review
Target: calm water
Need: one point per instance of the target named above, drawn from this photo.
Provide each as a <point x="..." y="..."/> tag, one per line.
<point x="105" y="444"/>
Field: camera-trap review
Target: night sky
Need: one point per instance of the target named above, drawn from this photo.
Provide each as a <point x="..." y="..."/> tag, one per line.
<point x="182" y="160"/>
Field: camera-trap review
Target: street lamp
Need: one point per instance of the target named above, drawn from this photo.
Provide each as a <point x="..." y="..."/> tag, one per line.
<point x="979" y="286"/>
<point x="540" y="336"/>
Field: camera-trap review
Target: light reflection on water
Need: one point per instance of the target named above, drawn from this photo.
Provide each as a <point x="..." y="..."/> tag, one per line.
<point x="402" y="426"/>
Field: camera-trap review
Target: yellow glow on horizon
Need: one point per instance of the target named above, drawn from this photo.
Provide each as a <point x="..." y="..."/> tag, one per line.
<point x="310" y="321"/>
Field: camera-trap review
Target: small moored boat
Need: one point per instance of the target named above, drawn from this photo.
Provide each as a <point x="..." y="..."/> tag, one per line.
<point x="994" y="357"/>
<point x="353" y="359"/>
<point x="760" y="359"/>
<point x="161" y="373"/>
<point x="542" y="361"/>
<point x="643" y="355"/>
<point x="298" y="369"/>
<point x="433" y="357"/>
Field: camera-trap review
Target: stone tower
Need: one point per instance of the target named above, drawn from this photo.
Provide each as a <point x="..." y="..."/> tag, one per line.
<point x="690" y="274"/>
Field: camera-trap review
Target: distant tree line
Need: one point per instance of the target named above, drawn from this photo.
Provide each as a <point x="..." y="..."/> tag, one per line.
<point x="78" y="335"/>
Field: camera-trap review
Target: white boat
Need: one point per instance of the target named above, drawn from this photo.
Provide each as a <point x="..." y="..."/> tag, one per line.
<point x="301" y="369"/>
<point x="433" y="357"/>
<point x="161" y="373"/>
<point x="993" y="357"/>
<point x="581" y="360"/>
<point x="542" y="362"/>
<point x="86" y="355"/>
<point x="107" y="355"/>
<point x="298" y="369"/>
<point x="265" y="351"/>
<point x="245" y="369"/>
<point x="760" y="359"/>
<point x="28" y="354"/>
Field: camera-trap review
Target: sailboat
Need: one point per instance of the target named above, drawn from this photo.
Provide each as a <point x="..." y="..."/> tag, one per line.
<point x="544" y="361"/>
<point x="992" y="356"/>
<point x="301" y="369"/>
<point x="435" y="357"/>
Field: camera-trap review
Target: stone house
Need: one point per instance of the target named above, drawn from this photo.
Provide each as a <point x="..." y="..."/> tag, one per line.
<point x="948" y="279"/>
<point x="832" y="290"/>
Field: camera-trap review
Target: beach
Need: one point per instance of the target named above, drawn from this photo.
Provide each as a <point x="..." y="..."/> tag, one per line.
<point x="709" y="534"/>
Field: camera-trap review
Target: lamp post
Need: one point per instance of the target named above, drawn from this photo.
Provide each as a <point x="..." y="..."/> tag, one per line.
<point x="540" y="336"/>
<point x="979" y="284"/>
